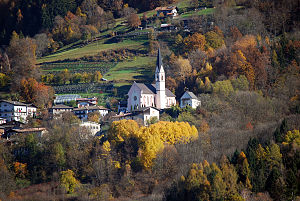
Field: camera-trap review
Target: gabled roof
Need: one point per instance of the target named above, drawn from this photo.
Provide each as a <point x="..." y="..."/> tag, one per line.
<point x="14" y="102"/>
<point x="61" y="106"/>
<point x="143" y="109"/>
<point x="165" y="8"/>
<point x="26" y="130"/>
<point x="190" y="94"/>
<point x="90" y="108"/>
<point x="151" y="89"/>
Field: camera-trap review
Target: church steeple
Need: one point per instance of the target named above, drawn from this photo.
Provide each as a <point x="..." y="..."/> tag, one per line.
<point x="160" y="82"/>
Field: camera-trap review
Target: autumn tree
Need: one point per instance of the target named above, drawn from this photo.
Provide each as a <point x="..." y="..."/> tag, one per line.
<point x="68" y="181"/>
<point x="96" y="77"/>
<point x="37" y="93"/>
<point x="94" y="117"/>
<point x="194" y="42"/>
<point x="133" y="20"/>
<point x="214" y="40"/>
<point x="21" y="54"/>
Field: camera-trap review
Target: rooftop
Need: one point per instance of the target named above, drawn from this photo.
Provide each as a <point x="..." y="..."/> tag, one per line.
<point x="61" y="106"/>
<point x="17" y="103"/>
<point x="151" y="89"/>
<point x="165" y="8"/>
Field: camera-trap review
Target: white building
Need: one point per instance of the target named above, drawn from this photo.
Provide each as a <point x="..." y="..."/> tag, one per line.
<point x="189" y="99"/>
<point x="13" y="110"/>
<point x="151" y="95"/>
<point x="57" y="110"/>
<point x="2" y="121"/>
<point x="81" y="102"/>
<point x="93" y="127"/>
<point x="82" y="112"/>
<point x="145" y="114"/>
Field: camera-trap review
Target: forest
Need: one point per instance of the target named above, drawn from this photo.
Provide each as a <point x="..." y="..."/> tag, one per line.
<point x="241" y="61"/>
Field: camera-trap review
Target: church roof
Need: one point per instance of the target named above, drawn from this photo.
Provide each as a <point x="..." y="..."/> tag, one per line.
<point x="151" y="89"/>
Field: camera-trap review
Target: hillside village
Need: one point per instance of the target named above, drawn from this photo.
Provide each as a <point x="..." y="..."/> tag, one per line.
<point x="149" y="100"/>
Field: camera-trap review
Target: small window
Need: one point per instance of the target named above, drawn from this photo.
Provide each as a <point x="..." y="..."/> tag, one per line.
<point x="135" y="98"/>
<point x="162" y="77"/>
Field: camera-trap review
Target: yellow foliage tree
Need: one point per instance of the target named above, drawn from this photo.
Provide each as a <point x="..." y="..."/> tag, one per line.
<point x="292" y="137"/>
<point x="151" y="139"/>
<point x="68" y="181"/>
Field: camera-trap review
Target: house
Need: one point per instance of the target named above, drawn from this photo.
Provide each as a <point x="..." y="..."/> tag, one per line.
<point x="2" y="121"/>
<point x="14" y="110"/>
<point x="167" y="27"/>
<point x="145" y="114"/>
<point x="155" y="95"/>
<point x="59" y="109"/>
<point x="121" y="116"/>
<point x="189" y="99"/>
<point x="82" y="112"/>
<point x="15" y="131"/>
<point x="170" y="11"/>
<point x="81" y="102"/>
<point x="93" y="127"/>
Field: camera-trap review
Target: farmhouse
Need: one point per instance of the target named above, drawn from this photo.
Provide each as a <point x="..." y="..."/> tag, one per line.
<point x="155" y="95"/>
<point x="13" y="110"/>
<point x="167" y="11"/>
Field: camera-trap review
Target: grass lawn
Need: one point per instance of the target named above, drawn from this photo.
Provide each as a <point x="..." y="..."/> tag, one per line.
<point x="200" y="12"/>
<point x="137" y="69"/>
<point x="183" y="4"/>
<point x="92" y="49"/>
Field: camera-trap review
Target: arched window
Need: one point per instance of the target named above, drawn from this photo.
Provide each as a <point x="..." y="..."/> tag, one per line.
<point x="162" y="78"/>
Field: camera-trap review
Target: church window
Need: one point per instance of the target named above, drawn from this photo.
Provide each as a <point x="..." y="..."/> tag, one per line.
<point x="162" y="77"/>
<point x="157" y="77"/>
<point x="135" y="98"/>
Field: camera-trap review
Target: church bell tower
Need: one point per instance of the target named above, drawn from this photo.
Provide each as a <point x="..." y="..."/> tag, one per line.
<point x="160" y="83"/>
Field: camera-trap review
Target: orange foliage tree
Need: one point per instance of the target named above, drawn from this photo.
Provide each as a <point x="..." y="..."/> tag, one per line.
<point x="34" y="92"/>
<point x="194" y="42"/>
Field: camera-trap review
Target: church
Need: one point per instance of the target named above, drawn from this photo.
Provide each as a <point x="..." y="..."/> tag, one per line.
<point x="151" y="95"/>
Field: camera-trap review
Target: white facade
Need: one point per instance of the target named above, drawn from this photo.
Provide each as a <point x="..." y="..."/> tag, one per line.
<point x="151" y="95"/>
<point x="82" y="113"/>
<point x="189" y="99"/>
<point x="13" y="110"/>
<point x="147" y="114"/>
<point x="2" y="121"/>
<point x="93" y="127"/>
<point x="57" y="110"/>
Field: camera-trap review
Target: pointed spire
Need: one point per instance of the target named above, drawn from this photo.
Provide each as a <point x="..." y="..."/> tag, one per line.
<point x="159" y="64"/>
<point x="159" y="60"/>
